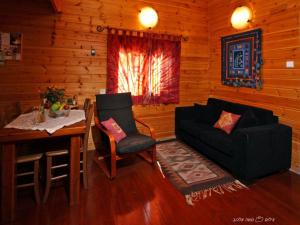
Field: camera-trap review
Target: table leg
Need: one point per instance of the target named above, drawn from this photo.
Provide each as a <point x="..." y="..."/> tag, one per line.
<point x="8" y="190"/>
<point x="74" y="170"/>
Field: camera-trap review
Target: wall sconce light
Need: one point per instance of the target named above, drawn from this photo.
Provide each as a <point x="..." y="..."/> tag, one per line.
<point x="93" y="52"/>
<point x="241" y="17"/>
<point x="148" y="17"/>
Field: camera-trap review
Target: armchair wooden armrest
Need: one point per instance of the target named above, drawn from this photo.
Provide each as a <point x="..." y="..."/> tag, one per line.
<point x="112" y="144"/>
<point x="152" y="132"/>
<point x="106" y="132"/>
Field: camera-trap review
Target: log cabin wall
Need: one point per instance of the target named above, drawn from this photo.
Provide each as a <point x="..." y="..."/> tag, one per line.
<point x="279" y="20"/>
<point x="56" y="50"/>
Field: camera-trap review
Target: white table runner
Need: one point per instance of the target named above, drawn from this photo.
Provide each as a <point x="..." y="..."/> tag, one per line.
<point x="25" y="121"/>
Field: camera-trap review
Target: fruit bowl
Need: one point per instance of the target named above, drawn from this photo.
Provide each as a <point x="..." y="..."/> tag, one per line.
<point x="56" y="113"/>
<point x="60" y="112"/>
<point x="57" y="110"/>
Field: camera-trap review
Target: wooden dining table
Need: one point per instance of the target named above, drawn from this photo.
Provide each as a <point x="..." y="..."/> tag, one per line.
<point x="10" y="137"/>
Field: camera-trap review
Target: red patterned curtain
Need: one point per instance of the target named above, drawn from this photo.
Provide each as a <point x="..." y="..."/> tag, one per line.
<point x="146" y="65"/>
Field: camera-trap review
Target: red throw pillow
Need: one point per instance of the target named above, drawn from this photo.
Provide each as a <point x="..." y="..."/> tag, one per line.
<point x="227" y="121"/>
<point x="114" y="128"/>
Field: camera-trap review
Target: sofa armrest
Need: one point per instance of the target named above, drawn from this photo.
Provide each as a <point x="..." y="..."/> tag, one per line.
<point x="263" y="150"/>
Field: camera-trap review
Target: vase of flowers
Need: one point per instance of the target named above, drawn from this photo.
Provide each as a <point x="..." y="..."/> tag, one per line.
<point x="53" y="95"/>
<point x="53" y="99"/>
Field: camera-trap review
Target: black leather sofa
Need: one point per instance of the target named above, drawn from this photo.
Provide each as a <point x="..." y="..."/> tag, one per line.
<point x="257" y="146"/>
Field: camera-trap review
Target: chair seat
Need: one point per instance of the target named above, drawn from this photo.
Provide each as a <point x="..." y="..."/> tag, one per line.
<point x="23" y="171"/>
<point x="134" y="143"/>
<point x="60" y="152"/>
<point x="29" y="158"/>
<point x="57" y="152"/>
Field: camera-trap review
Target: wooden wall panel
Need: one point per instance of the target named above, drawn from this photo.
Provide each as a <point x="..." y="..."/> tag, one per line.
<point x="280" y="22"/>
<point x="56" y="49"/>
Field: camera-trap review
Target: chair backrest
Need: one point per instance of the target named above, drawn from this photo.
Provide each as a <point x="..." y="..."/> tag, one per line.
<point x="86" y="105"/>
<point x="119" y="107"/>
<point x="9" y="113"/>
<point x="88" y="121"/>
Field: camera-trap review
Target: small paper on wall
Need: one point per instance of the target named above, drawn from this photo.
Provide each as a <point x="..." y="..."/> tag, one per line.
<point x="10" y="46"/>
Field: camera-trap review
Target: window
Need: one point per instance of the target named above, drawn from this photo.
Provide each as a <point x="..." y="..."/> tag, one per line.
<point x="146" y="66"/>
<point x="130" y="75"/>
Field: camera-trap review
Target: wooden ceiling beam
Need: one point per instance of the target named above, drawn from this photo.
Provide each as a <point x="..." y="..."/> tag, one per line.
<point x="57" y="5"/>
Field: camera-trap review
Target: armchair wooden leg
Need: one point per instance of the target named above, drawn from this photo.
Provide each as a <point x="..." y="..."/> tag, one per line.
<point x="113" y="166"/>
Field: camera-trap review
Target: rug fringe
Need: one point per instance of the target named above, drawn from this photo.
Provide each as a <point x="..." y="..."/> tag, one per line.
<point x="219" y="189"/>
<point x="160" y="169"/>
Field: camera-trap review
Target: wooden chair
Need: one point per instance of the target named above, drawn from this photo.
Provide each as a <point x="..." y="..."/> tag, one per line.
<point x="52" y="156"/>
<point x="86" y="105"/>
<point x="119" y="107"/>
<point x="23" y="173"/>
<point x="84" y="148"/>
<point x="9" y="112"/>
<point x="27" y="164"/>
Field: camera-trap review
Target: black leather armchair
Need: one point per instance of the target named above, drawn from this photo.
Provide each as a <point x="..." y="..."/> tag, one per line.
<point x="119" y="107"/>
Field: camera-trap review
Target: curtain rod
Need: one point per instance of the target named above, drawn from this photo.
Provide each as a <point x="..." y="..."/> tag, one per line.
<point x="102" y="28"/>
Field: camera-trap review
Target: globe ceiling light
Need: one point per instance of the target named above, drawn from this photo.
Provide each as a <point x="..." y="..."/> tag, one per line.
<point x="241" y="17"/>
<point x="148" y="17"/>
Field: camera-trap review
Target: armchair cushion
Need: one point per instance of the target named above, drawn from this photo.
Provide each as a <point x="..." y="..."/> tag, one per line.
<point x="119" y="107"/>
<point x="114" y="128"/>
<point x="134" y="143"/>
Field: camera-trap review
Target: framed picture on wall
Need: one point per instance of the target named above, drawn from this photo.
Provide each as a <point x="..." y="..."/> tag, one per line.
<point x="242" y="59"/>
<point x="11" y="46"/>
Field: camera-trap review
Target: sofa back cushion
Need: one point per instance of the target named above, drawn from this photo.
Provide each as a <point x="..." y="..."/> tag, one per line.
<point x="263" y="116"/>
<point x="248" y="119"/>
<point x="207" y="114"/>
<point x="119" y="107"/>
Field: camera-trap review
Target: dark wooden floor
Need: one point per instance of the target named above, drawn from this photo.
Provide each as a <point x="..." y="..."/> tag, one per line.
<point x="140" y="195"/>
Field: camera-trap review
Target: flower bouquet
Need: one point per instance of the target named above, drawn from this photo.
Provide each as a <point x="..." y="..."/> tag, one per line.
<point x="54" y="100"/>
<point x="53" y="95"/>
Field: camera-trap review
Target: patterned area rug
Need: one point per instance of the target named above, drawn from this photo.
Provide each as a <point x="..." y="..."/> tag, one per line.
<point x="192" y="174"/>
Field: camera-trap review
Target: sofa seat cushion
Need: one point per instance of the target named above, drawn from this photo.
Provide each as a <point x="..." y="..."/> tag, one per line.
<point x="214" y="137"/>
<point x="220" y="141"/>
<point x="134" y="143"/>
<point x="194" y="128"/>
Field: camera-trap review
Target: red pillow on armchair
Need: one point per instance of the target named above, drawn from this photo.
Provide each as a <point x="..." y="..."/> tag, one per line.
<point x="114" y="128"/>
<point x="227" y="121"/>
